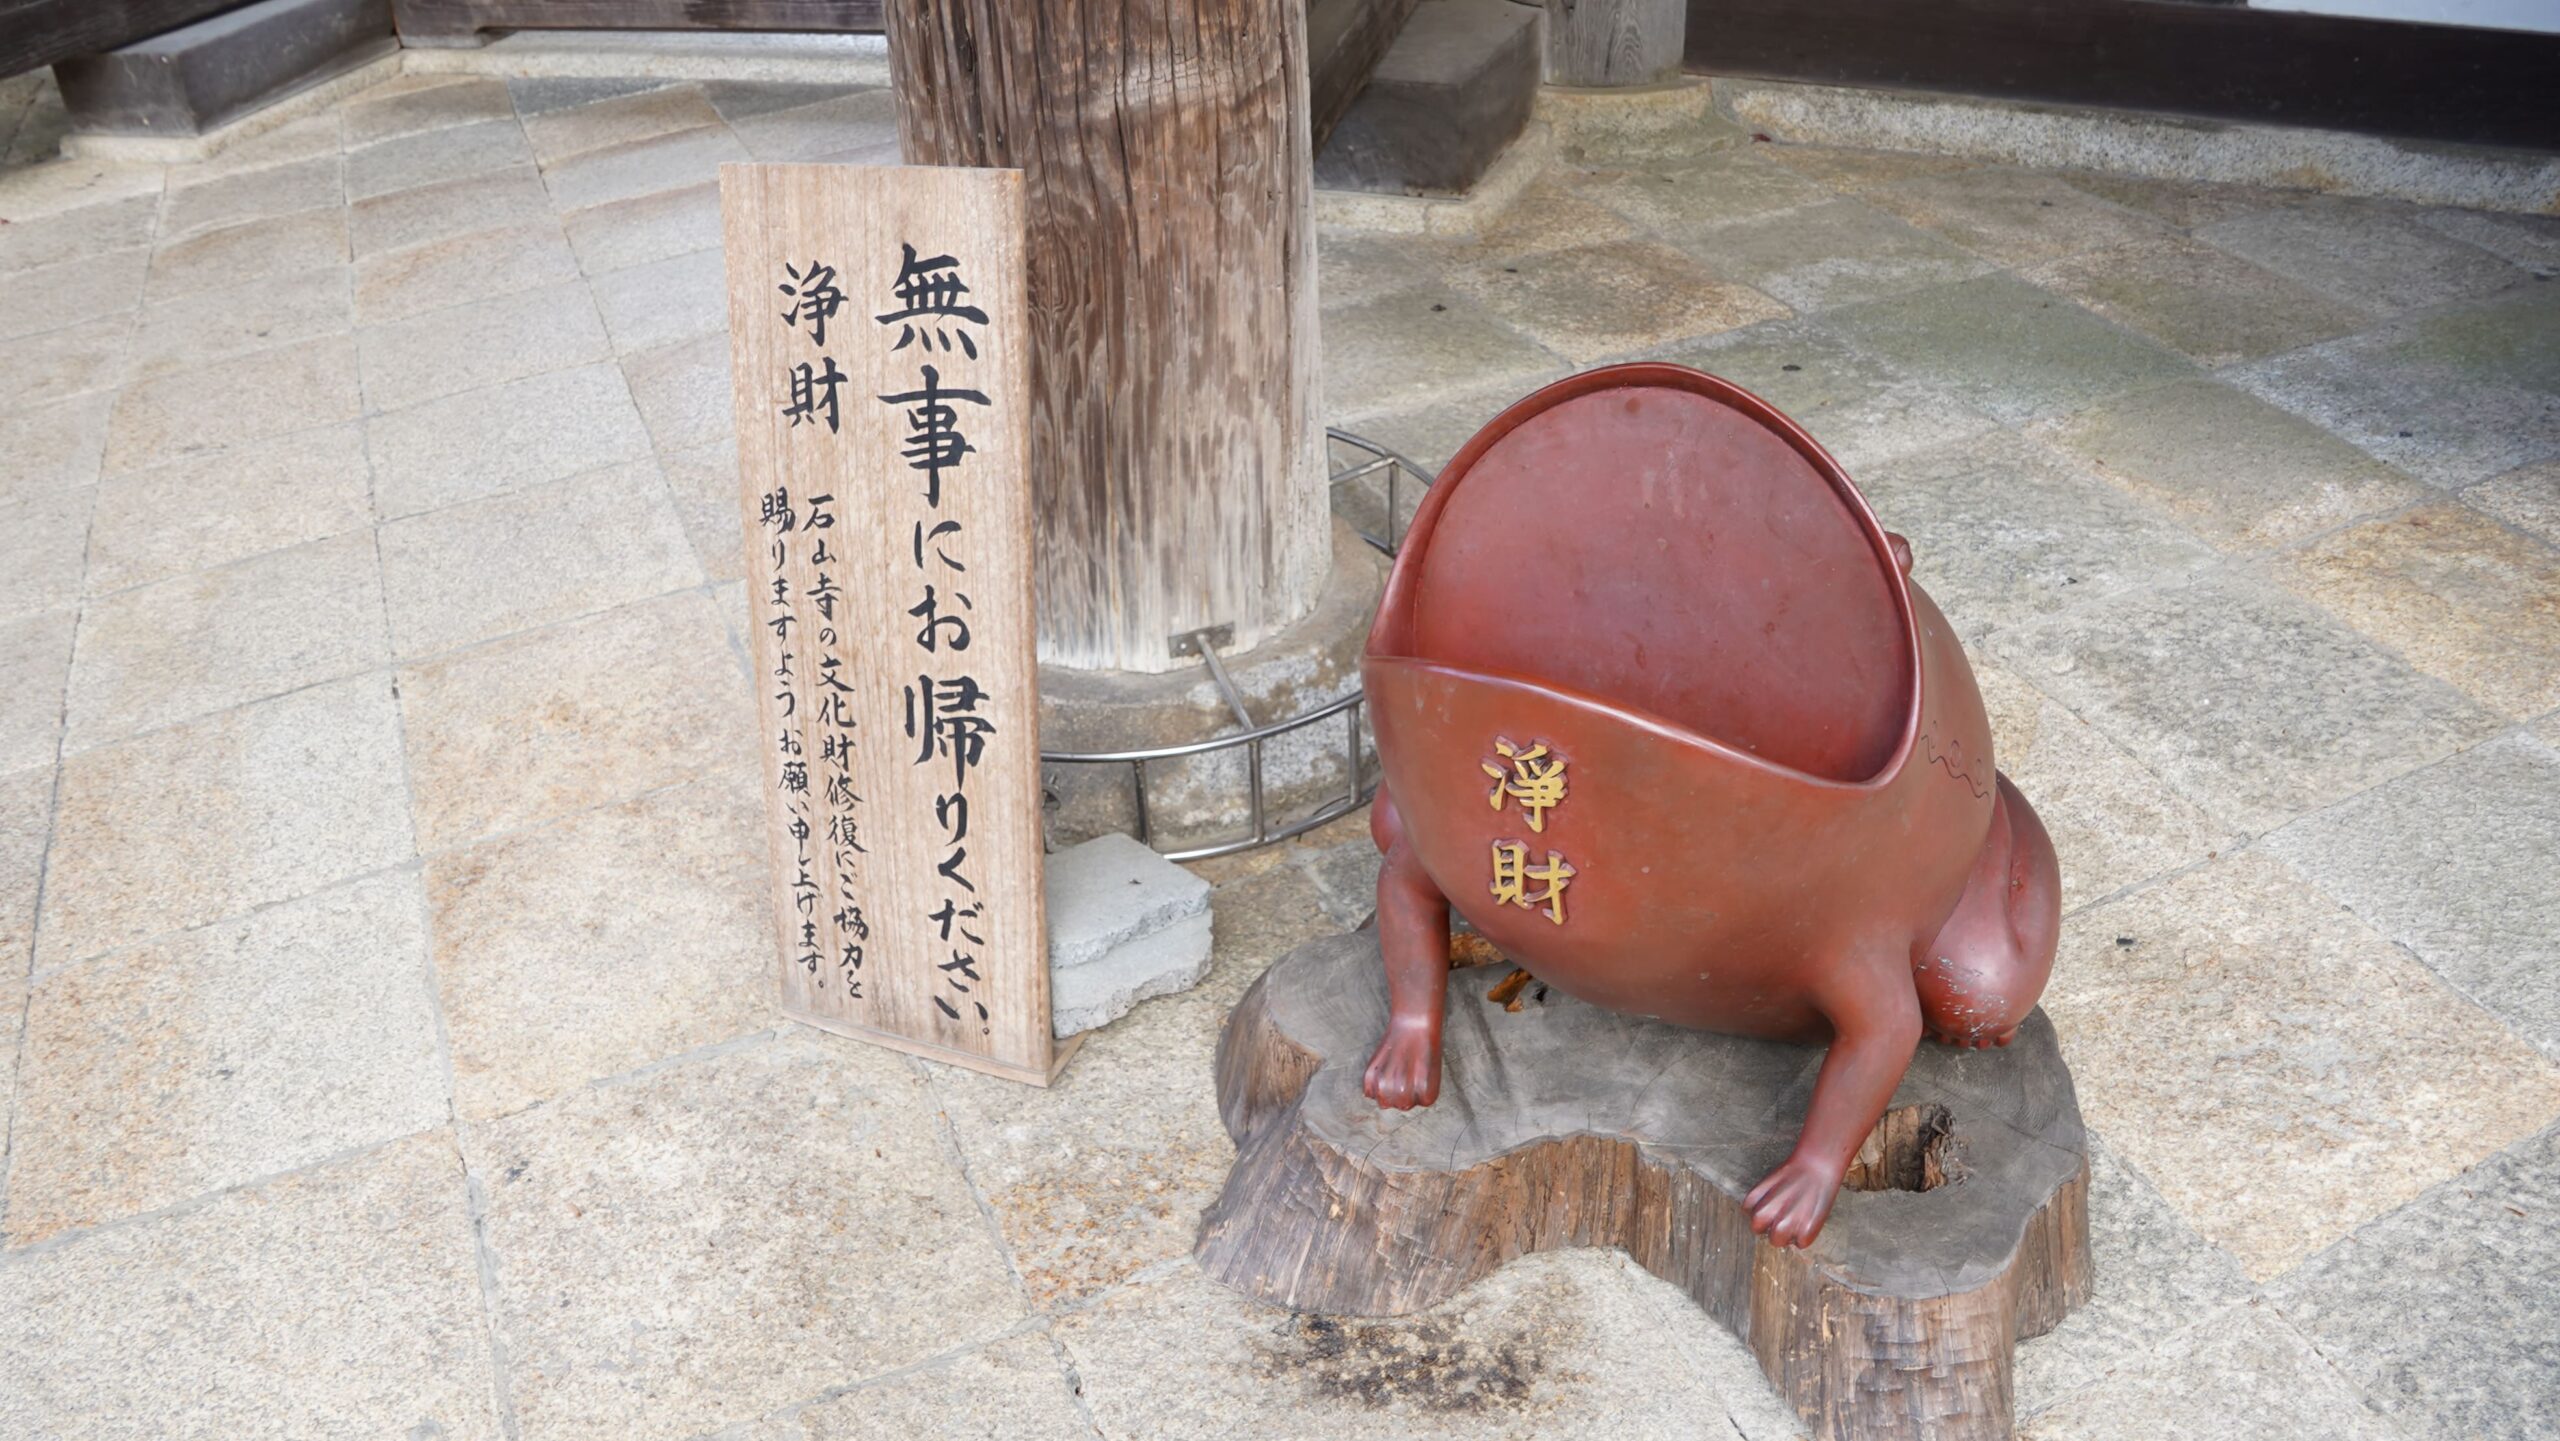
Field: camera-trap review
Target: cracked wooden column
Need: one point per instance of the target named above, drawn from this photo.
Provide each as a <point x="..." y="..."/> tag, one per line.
<point x="1176" y="450"/>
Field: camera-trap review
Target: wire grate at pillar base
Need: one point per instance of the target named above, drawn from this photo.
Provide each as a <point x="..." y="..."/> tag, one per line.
<point x="1374" y="489"/>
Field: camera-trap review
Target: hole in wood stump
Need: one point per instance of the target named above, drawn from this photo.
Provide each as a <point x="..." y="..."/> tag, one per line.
<point x="1909" y="1150"/>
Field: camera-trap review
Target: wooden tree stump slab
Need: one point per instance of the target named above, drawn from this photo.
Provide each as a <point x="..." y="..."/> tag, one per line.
<point x="1565" y="1125"/>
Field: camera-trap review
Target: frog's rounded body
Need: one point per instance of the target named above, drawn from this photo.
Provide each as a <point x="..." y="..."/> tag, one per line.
<point x="1663" y="717"/>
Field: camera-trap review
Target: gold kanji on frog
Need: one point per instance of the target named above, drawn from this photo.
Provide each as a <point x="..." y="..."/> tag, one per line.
<point x="1532" y="777"/>
<point x="1513" y="876"/>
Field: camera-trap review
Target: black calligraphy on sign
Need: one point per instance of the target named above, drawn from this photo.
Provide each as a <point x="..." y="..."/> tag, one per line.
<point x="947" y="714"/>
<point x="931" y="288"/>
<point x="817" y="792"/>
<point x="935" y="442"/>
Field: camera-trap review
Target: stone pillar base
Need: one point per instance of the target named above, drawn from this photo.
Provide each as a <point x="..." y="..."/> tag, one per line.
<point x="1203" y="800"/>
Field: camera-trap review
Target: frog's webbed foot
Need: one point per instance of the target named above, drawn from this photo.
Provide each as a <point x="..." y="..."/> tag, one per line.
<point x="1791" y="1203"/>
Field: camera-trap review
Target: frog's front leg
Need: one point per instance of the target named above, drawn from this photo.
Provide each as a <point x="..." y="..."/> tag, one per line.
<point x="1875" y="1027"/>
<point x="1413" y="939"/>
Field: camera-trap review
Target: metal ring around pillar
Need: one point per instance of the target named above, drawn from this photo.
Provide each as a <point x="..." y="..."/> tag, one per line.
<point x="1399" y="473"/>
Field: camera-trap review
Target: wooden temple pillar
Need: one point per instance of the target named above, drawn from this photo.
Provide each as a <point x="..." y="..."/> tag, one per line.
<point x="1176" y="447"/>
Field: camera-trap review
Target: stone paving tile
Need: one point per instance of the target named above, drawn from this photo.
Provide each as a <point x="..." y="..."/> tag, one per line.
<point x="401" y="283"/>
<point x="2015" y="217"/>
<point x="2267" y="479"/>
<point x="39" y="192"/>
<point x="26" y="823"/>
<point x="2527" y="498"/>
<point x="2378" y="258"/>
<point x="2531" y="241"/>
<point x="1107" y="1171"/>
<point x="189" y="515"/>
<point x="1862" y="412"/>
<point x="1680" y="201"/>
<point x="710" y="1242"/>
<point x="704" y="484"/>
<point x="1854" y="171"/>
<point x="256" y="195"/>
<point x="234" y="402"/>
<point x="2245" y="1363"/>
<point x="1392" y="351"/>
<point x="738" y="99"/>
<point x="341" y="1300"/>
<point x="413" y="104"/>
<point x="47" y="449"/>
<point x="605" y="121"/>
<point x="1012" y="1390"/>
<point x="218" y="638"/>
<point x="1612" y="298"/>
<point x="1563" y="1344"/>
<point x="2255" y="704"/>
<point x="56" y="364"/>
<point x="224" y="813"/>
<point x="502" y="438"/>
<point x="295" y="140"/>
<point x="620" y="172"/>
<point x="2344" y="1078"/>
<point x="1256" y="918"/>
<point x="2185" y="204"/>
<point x="431" y="158"/>
<point x="2155" y="1276"/>
<point x="1429" y="434"/>
<point x="553" y="721"/>
<point x="2004" y="530"/>
<point x="543" y="94"/>
<point x="2456" y="594"/>
<point x="2207" y="305"/>
<point x="1829" y="255"/>
<point x="2442" y="1312"/>
<point x="2455" y="862"/>
<point x="651" y="227"/>
<point x="808" y="132"/>
<point x="501" y="198"/>
<point x="465" y="347"/>
<point x="611" y="940"/>
<point x="683" y="392"/>
<point x="13" y="1007"/>
<point x="2451" y="398"/>
<point x="88" y="288"/>
<point x="182" y="334"/>
<point x="665" y="301"/>
<point x="510" y="562"/>
<point x="1354" y="265"/>
<point x="2006" y="348"/>
<point x="1547" y="215"/>
<point x="41" y="541"/>
<point x="2114" y="824"/>
<point x="254" y="250"/>
<point x="157" y="1073"/>
<point x="120" y="224"/>
<point x="35" y="663"/>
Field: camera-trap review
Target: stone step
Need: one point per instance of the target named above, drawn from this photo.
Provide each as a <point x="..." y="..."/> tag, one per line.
<point x="1450" y="94"/>
<point x="192" y="79"/>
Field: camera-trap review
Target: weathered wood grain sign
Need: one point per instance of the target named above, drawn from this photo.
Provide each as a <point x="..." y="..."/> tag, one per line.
<point x="878" y="343"/>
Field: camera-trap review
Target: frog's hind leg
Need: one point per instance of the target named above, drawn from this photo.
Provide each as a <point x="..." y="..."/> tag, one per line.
<point x="1413" y="940"/>
<point x="1987" y="966"/>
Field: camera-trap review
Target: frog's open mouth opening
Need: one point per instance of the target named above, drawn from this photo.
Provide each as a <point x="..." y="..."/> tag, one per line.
<point x="1661" y="541"/>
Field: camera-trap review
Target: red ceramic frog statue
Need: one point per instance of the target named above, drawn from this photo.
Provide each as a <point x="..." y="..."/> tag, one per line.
<point x="1663" y="716"/>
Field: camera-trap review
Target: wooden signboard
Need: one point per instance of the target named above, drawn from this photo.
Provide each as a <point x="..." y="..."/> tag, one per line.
<point x="879" y="348"/>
